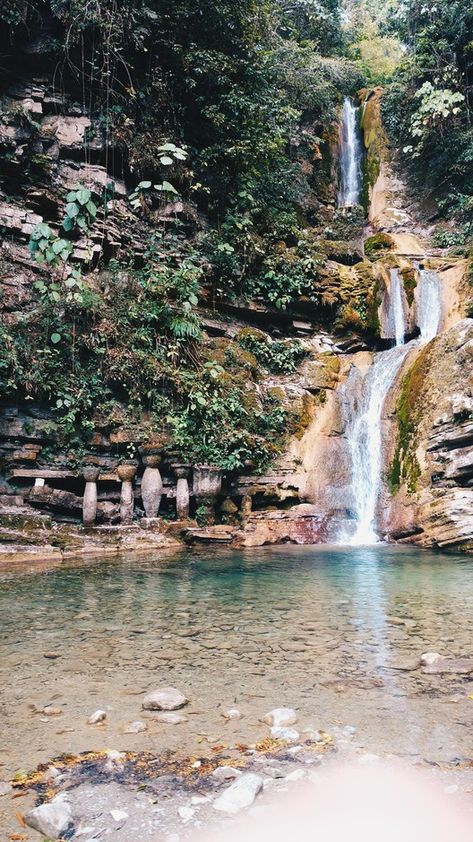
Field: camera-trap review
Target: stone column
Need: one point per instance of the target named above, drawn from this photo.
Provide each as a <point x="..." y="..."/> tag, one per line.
<point x="207" y="484"/>
<point x="89" y="502"/>
<point x="182" y="490"/>
<point x="151" y="485"/>
<point x="246" y="506"/>
<point x="127" y="498"/>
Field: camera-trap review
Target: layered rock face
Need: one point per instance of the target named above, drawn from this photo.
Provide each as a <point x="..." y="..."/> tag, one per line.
<point x="434" y="504"/>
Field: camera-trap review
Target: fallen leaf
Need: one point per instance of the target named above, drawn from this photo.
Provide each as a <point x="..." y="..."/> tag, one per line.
<point x="21" y="819"/>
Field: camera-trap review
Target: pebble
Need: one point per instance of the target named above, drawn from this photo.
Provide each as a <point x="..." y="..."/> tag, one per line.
<point x="98" y="716"/>
<point x="50" y="710"/>
<point x="280" y="717"/>
<point x="296" y="775"/>
<point x="51" y="655"/>
<point x="5" y="788"/>
<point x="240" y="794"/>
<point x="118" y="815"/>
<point x="288" y="734"/>
<point x="232" y="713"/>
<point x="225" y="773"/>
<point x="171" y="718"/>
<point x="166" y="698"/>
<point x="186" y="813"/>
<point x="52" y="819"/>
<point x="51" y="774"/>
<point x="136" y="727"/>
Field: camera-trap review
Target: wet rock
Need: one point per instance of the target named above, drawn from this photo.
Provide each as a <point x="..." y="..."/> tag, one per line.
<point x="240" y="794"/>
<point x="288" y="734"/>
<point x="280" y="717"/>
<point x="166" y="698"/>
<point x="52" y="820"/>
<point x="225" y="773"/>
<point x="171" y="718"/>
<point x="98" y="716"/>
<point x="232" y="713"/>
<point x="429" y="658"/>
<point x="457" y="666"/>
<point x="136" y="727"/>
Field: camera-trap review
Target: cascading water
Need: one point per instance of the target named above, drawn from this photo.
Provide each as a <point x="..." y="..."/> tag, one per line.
<point x="430" y="304"/>
<point x="363" y="411"/>
<point x="350" y="155"/>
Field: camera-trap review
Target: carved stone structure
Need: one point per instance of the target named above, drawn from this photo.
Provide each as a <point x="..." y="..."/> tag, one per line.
<point x="126" y="474"/>
<point x="182" y="490"/>
<point x="151" y="485"/>
<point x="207" y="484"/>
<point x="89" y="504"/>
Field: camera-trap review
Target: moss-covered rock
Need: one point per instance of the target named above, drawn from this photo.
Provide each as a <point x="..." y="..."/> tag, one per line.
<point x="377" y="244"/>
<point x="409" y="280"/>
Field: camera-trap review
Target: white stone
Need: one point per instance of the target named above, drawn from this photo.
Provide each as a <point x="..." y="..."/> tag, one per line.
<point x="98" y="716"/>
<point x="51" y="774"/>
<point x="296" y="775"/>
<point x="225" y="773"/>
<point x="166" y="698"/>
<point x="5" y="788"/>
<point x="289" y="734"/>
<point x="232" y="713"/>
<point x="281" y="717"/>
<point x="186" y="813"/>
<point x="429" y="658"/>
<point x="136" y="727"/>
<point x="171" y="718"/>
<point x="196" y="800"/>
<point x="118" y="815"/>
<point x="240" y="794"/>
<point x="50" y="819"/>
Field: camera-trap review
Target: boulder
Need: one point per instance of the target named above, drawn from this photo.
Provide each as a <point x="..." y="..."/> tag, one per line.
<point x="166" y="698"/>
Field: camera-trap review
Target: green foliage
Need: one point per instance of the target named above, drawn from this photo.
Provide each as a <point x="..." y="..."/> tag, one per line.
<point x="277" y="357"/>
<point x="427" y="108"/>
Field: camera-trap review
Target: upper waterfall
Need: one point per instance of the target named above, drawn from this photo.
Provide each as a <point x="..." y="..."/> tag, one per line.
<point x="350" y="155"/>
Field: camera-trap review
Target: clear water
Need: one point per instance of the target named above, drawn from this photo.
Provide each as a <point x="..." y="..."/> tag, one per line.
<point x="350" y="155"/>
<point x="324" y="629"/>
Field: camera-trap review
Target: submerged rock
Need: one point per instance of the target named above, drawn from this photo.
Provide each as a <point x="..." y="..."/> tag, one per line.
<point x="136" y="727"/>
<point x="240" y="794"/>
<point x="98" y="716"/>
<point x="171" y="718"/>
<point x="167" y="698"/>
<point x="280" y="717"/>
<point x="52" y="820"/>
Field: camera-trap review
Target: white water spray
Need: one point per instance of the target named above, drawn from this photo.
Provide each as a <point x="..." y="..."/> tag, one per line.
<point x="364" y="415"/>
<point x="350" y="156"/>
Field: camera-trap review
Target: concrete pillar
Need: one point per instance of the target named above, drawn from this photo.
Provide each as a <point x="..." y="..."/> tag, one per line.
<point x="89" y="501"/>
<point x="127" y="498"/>
<point x="182" y="490"/>
<point x="151" y="485"/>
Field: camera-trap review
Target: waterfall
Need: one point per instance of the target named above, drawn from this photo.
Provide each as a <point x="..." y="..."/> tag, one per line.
<point x="396" y="308"/>
<point x="430" y="304"/>
<point x="350" y="156"/>
<point x="363" y="408"/>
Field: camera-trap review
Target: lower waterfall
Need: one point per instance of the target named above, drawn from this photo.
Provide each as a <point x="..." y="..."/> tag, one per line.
<point x="362" y="406"/>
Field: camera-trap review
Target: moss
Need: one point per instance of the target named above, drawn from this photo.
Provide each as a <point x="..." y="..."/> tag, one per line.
<point x="404" y="467"/>
<point x="378" y="243"/>
<point x="303" y="418"/>
<point x="255" y="334"/>
<point x="409" y="280"/>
